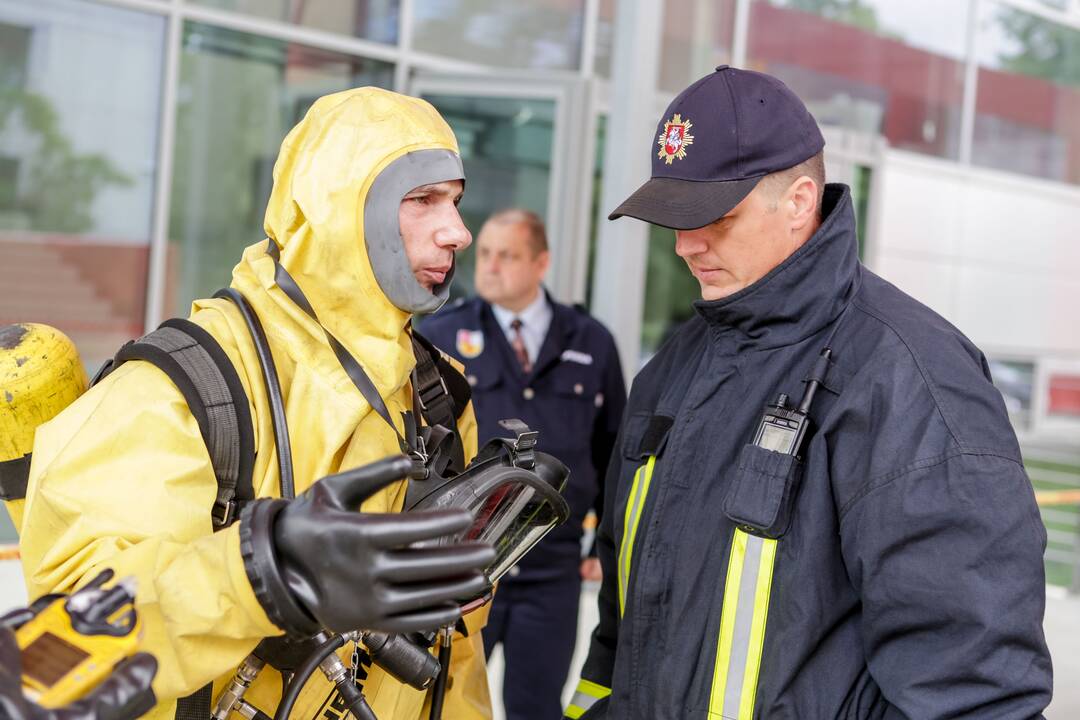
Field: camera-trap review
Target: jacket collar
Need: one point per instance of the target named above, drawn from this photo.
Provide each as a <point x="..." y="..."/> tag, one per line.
<point x="799" y="297"/>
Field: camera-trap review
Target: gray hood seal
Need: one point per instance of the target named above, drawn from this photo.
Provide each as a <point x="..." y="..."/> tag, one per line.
<point x="382" y="233"/>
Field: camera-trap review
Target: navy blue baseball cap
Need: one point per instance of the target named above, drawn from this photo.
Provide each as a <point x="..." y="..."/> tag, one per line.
<point x="716" y="141"/>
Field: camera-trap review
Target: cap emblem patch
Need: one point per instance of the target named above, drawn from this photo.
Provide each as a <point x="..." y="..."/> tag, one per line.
<point x="675" y="138"/>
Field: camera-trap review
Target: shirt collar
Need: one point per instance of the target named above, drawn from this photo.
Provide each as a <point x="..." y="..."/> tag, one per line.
<point x="536" y="315"/>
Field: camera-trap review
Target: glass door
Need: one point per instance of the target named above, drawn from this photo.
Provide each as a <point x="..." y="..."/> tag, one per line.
<point x="525" y="143"/>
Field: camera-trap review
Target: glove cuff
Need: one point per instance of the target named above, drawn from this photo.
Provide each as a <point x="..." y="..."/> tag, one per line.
<point x="263" y="571"/>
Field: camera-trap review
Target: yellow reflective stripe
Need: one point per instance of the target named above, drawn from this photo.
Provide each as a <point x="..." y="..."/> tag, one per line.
<point x="624" y="549"/>
<point x="593" y="690"/>
<point x="742" y="627"/>
<point x="587" y="694"/>
<point x="757" y="629"/>
<point x="727" y="623"/>
<point x="639" y="491"/>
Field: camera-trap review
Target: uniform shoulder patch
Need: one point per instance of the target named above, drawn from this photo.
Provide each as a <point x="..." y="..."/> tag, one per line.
<point x="469" y="343"/>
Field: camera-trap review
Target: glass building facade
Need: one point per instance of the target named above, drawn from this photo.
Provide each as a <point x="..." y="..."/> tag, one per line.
<point x="137" y="137"/>
<point x="135" y="166"/>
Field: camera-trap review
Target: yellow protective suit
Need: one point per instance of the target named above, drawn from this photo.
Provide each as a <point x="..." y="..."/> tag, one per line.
<point x="122" y="478"/>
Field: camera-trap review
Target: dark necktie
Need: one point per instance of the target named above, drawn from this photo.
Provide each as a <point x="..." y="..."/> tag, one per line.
<point x="518" y="343"/>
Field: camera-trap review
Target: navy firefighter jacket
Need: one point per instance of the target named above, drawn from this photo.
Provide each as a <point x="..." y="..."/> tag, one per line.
<point x="904" y="575"/>
<point x="574" y="397"/>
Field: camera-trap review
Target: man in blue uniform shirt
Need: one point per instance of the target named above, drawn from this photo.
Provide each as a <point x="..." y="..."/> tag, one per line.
<point x="557" y="369"/>
<point x="871" y="553"/>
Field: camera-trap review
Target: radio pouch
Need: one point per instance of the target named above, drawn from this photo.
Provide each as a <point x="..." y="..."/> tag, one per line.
<point x="762" y="496"/>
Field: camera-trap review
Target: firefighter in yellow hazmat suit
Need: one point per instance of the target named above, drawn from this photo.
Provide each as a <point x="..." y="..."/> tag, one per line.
<point x="363" y="218"/>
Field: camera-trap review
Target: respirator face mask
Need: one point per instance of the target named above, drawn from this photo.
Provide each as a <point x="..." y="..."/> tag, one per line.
<point x="513" y="493"/>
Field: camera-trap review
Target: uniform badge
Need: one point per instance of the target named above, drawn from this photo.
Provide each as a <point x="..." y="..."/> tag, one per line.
<point x="470" y="343"/>
<point x="674" y="140"/>
<point x="576" y="357"/>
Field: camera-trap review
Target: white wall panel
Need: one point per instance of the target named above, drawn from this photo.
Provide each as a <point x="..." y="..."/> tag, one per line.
<point x="996" y="254"/>
<point x="915" y="218"/>
<point x="928" y="280"/>
<point x="1007" y="310"/>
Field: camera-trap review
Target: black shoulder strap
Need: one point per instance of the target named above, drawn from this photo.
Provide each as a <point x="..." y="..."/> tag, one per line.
<point x="451" y="382"/>
<point x="442" y="392"/>
<point x="200" y="369"/>
<point x="195" y="362"/>
<point x="14" y="475"/>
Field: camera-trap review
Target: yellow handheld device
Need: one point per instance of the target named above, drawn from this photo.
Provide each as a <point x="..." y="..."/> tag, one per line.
<point x="72" y="645"/>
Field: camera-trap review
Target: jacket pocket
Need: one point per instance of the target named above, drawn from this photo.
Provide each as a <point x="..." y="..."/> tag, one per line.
<point x="761" y="498"/>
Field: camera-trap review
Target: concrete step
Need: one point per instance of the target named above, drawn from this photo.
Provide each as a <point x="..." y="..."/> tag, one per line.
<point x="37" y="285"/>
<point x="59" y="303"/>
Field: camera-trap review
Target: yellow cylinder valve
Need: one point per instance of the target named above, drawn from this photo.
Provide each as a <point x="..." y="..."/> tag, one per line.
<point x="40" y="375"/>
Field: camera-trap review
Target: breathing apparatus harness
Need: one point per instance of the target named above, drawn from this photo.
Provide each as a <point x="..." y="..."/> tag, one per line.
<point x="512" y="491"/>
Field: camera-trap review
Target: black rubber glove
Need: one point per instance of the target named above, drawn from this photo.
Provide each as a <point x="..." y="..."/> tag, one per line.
<point x="315" y="562"/>
<point x="125" y="694"/>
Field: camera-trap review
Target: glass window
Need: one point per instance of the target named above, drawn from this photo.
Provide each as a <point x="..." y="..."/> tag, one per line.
<point x="506" y="146"/>
<point x="696" y="38"/>
<point x="1028" y="97"/>
<point x="79" y="102"/>
<point x="1015" y="380"/>
<point x="860" y="198"/>
<point x="368" y="19"/>
<point x="595" y="218"/>
<point x="533" y="34"/>
<point x="605" y="37"/>
<point x="873" y="66"/>
<point x="238" y="96"/>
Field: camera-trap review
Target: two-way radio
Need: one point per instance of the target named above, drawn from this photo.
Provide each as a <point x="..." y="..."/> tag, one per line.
<point x="783" y="427"/>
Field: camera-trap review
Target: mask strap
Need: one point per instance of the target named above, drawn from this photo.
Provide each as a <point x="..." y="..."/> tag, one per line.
<point x="349" y="364"/>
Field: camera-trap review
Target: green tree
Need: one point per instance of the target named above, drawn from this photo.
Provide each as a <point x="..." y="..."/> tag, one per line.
<point x="58" y="190"/>
<point x="1040" y="48"/>
<point x="850" y="12"/>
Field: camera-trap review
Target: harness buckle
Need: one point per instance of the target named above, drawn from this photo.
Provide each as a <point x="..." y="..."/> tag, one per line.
<point x="432" y="392"/>
<point x="222" y="513"/>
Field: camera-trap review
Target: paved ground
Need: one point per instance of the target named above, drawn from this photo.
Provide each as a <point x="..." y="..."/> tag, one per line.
<point x="1062" y="632"/>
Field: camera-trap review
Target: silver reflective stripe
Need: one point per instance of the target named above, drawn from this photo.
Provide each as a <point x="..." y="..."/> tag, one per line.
<point x="588" y="694"/>
<point x="740" y="638"/>
<point x="742" y="627"/>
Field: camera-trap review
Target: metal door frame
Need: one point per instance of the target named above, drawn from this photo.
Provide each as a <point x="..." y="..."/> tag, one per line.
<point x="572" y="151"/>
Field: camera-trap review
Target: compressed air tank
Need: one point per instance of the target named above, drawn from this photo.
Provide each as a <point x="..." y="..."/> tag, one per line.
<point x="40" y="375"/>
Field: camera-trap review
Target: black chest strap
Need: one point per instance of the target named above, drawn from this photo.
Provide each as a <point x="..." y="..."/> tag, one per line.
<point x="442" y="393"/>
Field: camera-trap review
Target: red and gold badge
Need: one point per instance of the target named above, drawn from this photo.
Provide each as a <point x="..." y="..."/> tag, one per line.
<point x="674" y="139"/>
<point x="470" y="343"/>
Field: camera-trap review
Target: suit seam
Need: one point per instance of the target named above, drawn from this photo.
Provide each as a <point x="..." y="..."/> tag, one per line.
<point x="886" y="479"/>
<point x="939" y="402"/>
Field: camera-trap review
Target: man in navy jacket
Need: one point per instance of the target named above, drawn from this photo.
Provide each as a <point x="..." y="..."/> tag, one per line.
<point x="557" y="369"/>
<point x="890" y="565"/>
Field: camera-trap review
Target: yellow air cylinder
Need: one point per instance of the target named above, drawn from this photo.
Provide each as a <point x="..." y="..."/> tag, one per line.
<point x="40" y="375"/>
